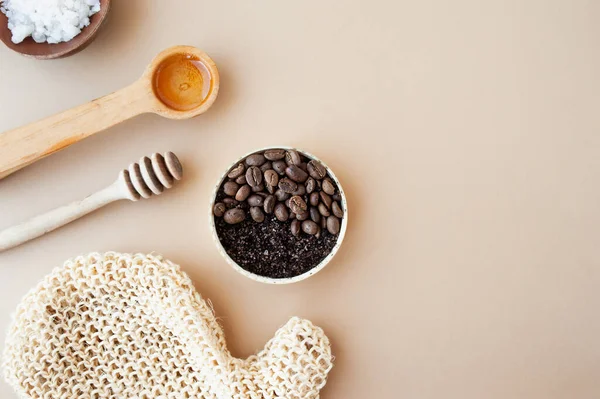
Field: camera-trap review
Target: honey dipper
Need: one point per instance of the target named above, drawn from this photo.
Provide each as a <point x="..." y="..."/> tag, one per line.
<point x="150" y="176"/>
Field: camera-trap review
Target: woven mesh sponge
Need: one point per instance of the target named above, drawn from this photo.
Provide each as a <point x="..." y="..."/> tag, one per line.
<point x="132" y="326"/>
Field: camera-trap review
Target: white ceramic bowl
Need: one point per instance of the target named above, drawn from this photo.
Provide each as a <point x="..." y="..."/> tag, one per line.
<point x="268" y="280"/>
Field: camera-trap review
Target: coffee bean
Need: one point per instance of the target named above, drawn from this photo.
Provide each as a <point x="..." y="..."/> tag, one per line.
<point x="316" y="170"/>
<point x="333" y="225"/>
<point x="279" y="167"/>
<point x="328" y="186"/>
<point x="258" y="188"/>
<point x="274" y="154"/>
<point x="270" y="189"/>
<point x="256" y="200"/>
<point x="297" y="204"/>
<point x="303" y="215"/>
<point x="323" y="223"/>
<point x="266" y="166"/>
<point x="271" y="178"/>
<point x="295" y="227"/>
<point x="337" y="197"/>
<point x="326" y="199"/>
<point x="237" y="170"/>
<point x="255" y="160"/>
<point x="263" y="194"/>
<point x="243" y="193"/>
<point x="269" y="204"/>
<point x="304" y="166"/>
<point x="219" y="209"/>
<point x="254" y="176"/>
<point x="314" y="199"/>
<point x="337" y="210"/>
<point x="257" y="214"/>
<point x="318" y="233"/>
<point x="301" y="190"/>
<point x="231" y="188"/>
<point x="281" y="212"/>
<point x="230" y="202"/>
<point x="296" y="174"/>
<point x="310" y="185"/>
<point x="310" y="227"/>
<point x="282" y="195"/>
<point x="292" y="215"/>
<point x="292" y="157"/>
<point x="287" y="185"/>
<point x="287" y="202"/>
<point x="241" y="180"/>
<point x="315" y="215"/>
<point x="233" y="216"/>
<point x="323" y="210"/>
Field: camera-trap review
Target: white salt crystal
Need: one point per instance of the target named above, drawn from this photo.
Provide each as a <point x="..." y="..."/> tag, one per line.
<point x="51" y="21"/>
<point x="20" y="32"/>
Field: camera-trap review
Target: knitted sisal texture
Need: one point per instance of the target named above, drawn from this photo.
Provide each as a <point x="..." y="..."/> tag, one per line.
<point x="132" y="326"/>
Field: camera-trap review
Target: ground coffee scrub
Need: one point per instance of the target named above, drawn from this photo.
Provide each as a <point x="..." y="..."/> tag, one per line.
<point x="278" y="213"/>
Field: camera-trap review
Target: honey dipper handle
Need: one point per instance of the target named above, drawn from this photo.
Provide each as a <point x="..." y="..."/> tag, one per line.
<point x="27" y="144"/>
<point x="45" y="223"/>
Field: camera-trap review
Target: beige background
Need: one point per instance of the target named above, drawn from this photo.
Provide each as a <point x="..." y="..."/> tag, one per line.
<point x="465" y="132"/>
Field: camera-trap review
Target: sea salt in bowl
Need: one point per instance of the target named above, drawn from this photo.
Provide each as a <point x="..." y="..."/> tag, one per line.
<point x="284" y="280"/>
<point x="46" y="51"/>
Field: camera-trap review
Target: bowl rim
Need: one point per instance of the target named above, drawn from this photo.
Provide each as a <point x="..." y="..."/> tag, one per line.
<point x="83" y="39"/>
<point x="269" y="280"/>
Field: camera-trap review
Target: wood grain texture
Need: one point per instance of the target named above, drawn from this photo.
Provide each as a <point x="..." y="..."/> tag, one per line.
<point x="22" y="146"/>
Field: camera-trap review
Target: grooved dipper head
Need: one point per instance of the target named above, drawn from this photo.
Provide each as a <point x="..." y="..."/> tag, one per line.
<point x="151" y="175"/>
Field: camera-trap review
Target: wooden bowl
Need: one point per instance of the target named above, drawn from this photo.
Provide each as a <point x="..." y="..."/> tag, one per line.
<point x="47" y="51"/>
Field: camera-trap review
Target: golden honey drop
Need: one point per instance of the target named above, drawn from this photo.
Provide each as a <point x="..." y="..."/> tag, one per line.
<point x="180" y="82"/>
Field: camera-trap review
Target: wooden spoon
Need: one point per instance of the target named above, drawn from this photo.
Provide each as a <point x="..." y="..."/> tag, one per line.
<point x="48" y="51"/>
<point x="25" y="145"/>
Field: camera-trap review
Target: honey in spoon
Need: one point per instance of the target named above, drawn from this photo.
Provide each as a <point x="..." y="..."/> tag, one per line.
<point x="182" y="82"/>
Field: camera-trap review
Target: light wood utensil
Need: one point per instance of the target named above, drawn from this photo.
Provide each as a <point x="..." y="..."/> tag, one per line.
<point x="25" y="145"/>
<point x="150" y="176"/>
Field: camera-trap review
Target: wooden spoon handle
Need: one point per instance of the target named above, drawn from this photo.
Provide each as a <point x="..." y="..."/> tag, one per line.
<point x="27" y="144"/>
<point x="42" y="224"/>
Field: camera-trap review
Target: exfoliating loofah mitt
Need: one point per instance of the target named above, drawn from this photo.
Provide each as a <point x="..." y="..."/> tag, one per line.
<point x="132" y="326"/>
